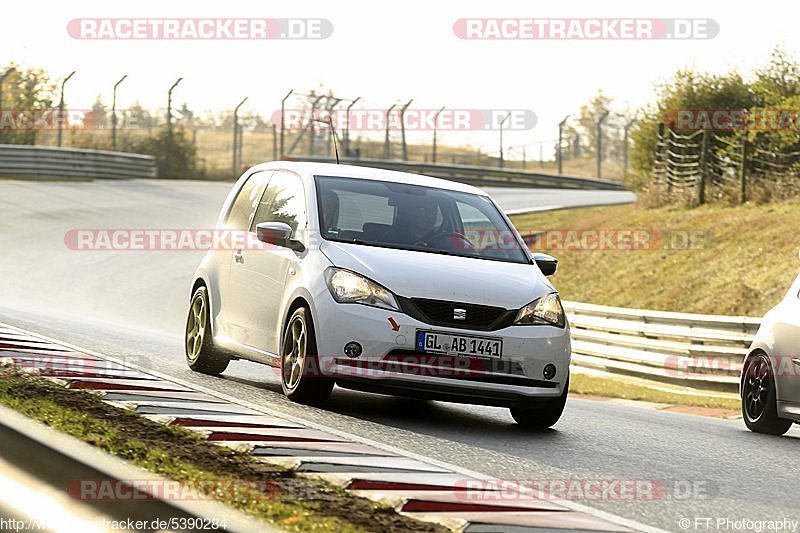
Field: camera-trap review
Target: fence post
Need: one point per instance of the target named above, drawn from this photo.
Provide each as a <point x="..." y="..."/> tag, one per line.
<point x="599" y="144"/>
<point x="403" y="129"/>
<point x="274" y="143"/>
<point x="237" y="154"/>
<point x="241" y="145"/>
<point x="701" y="193"/>
<point x="386" y="145"/>
<point x="628" y="125"/>
<point x="660" y="156"/>
<point x="559" y="148"/>
<point x="743" y="172"/>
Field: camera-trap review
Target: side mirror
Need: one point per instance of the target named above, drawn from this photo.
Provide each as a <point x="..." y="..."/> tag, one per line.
<point x="546" y="263"/>
<point x="276" y="233"/>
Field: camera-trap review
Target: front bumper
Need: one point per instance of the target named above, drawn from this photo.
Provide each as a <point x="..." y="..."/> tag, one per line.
<point x="390" y="364"/>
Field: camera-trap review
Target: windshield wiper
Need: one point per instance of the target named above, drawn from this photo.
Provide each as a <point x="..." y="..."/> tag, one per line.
<point x="440" y="251"/>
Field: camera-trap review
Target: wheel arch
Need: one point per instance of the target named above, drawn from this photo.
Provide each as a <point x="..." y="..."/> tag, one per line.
<point x="202" y="281"/>
<point x="760" y="350"/>
<point x="299" y="298"/>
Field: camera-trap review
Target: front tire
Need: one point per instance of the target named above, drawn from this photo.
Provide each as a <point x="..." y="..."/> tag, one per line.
<point x="201" y="355"/>
<point x="542" y="414"/>
<point x="759" y="399"/>
<point x="301" y="376"/>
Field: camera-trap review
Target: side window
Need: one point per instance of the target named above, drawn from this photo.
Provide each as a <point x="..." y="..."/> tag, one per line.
<point x="284" y="200"/>
<point x="242" y="209"/>
<point x="482" y="232"/>
<point x="473" y="219"/>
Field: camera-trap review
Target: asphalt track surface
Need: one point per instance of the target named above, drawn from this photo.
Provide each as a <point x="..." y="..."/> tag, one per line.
<point x="132" y="305"/>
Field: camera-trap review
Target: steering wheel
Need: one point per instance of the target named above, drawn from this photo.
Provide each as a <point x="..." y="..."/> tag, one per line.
<point x="452" y="240"/>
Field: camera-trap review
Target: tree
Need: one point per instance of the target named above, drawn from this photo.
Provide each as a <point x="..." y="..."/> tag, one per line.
<point x="588" y="115"/>
<point x="777" y="80"/>
<point x="776" y="119"/>
<point x="685" y="90"/>
<point x="99" y="113"/>
<point x="137" y="116"/>
<point x="28" y="94"/>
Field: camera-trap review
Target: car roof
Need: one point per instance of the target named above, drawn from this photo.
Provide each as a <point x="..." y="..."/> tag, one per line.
<point x="309" y="170"/>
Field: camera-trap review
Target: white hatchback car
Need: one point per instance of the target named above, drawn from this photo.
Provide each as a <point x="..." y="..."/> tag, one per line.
<point x="385" y="282"/>
<point x="770" y="383"/>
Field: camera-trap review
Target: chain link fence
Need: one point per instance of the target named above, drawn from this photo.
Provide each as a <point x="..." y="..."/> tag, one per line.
<point x="226" y="143"/>
<point x="709" y="166"/>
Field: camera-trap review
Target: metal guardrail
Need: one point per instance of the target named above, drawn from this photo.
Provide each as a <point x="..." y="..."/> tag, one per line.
<point x="54" y="464"/>
<point x="703" y="352"/>
<point x="478" y="175"/>
<point x="48" y="162"/>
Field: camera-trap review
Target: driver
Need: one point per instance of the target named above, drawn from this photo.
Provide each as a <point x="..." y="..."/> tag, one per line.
<point x="415" y="223"/>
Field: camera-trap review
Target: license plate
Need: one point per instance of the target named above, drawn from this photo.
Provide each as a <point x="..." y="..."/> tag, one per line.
<point x="447" y="343"/>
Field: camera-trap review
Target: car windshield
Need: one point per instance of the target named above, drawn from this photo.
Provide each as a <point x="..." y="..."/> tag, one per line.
<point x="414" y="217"/>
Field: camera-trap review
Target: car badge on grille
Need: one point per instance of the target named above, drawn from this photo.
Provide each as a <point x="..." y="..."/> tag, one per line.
<point x="459" y="314"/>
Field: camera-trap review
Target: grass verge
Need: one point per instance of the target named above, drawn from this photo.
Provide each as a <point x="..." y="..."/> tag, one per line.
<point x="714" y="259"/>
<point x="293" y="503"/>
<point x="617" y="388"/>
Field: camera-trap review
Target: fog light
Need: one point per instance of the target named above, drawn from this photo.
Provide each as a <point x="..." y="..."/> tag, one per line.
<point x="353" y="349"/>
<point x="549" y="371"/>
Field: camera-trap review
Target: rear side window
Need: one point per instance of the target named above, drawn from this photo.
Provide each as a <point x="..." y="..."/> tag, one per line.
<point x="284" y="200"/>
<point x="242" y="209"/>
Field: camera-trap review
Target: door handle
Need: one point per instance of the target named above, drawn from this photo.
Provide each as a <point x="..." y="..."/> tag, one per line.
<point x="238" y="257"/>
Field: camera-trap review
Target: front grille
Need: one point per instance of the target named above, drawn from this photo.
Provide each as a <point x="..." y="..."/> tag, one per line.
<point x="441" y="313"/>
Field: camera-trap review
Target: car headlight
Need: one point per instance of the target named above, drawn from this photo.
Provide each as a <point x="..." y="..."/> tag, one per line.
<point x="350" y="288"/>
<point x="546" y="311"/>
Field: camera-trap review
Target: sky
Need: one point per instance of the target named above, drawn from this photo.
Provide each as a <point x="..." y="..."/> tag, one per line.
<point x="390" y="54"/>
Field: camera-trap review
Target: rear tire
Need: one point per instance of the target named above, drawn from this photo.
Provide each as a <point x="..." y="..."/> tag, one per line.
<point x="759" y="401"/>
<point x="201" y="355"/>
<point x="541" y="414"/>
<point x="301" y="377"/>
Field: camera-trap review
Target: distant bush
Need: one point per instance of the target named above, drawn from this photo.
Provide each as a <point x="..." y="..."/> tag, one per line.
<point x="774" y="86"/>
<point x="176" y="156"/>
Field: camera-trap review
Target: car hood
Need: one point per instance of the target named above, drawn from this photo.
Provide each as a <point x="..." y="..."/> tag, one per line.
<point x="442" y="277"/>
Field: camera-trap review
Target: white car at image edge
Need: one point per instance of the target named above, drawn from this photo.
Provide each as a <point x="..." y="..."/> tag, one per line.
<point x="383" y="282"/>
<point x="770" y="381"/>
